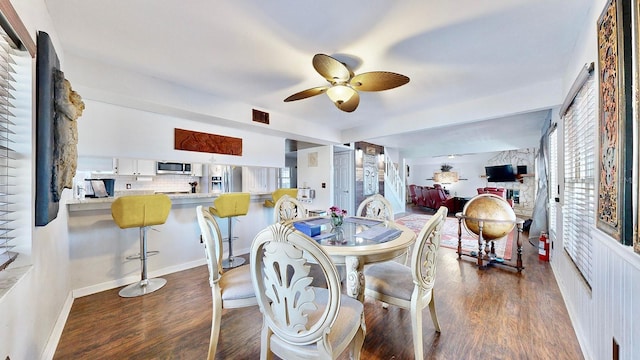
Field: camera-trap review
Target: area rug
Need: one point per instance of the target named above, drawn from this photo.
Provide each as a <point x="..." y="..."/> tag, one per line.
<point x="449" y="237"/>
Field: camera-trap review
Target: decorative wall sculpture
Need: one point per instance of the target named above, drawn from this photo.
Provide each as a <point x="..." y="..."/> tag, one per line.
<point x="68" y="107"/>
<point x="370" y="166"/>
<point x="615" y="143"/>
<point x="209" y="143"/>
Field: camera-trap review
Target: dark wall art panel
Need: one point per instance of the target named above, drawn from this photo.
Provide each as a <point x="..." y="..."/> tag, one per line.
<point x="46" y="62"/>
<point x="57" y="109"/>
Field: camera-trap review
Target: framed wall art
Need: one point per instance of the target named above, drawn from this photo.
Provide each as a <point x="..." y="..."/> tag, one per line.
<point x="614" y="205"/>
<point x="313" y="159"/>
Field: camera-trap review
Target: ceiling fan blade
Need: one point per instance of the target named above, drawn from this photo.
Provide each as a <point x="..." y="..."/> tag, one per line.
<point x="331" y="69"/>
<point x="351" y="104"/>
<point x="378" y="81"/>
<point x="307" y="93"/>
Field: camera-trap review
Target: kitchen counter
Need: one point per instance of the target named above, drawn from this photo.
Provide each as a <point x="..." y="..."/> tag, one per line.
<point x="176" y="199"/>
<point x="99" y="249"/>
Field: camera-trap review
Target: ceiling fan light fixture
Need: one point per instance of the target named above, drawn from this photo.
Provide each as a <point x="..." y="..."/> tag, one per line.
<point x="344" y="85"/>
<point x="340" y="93"/>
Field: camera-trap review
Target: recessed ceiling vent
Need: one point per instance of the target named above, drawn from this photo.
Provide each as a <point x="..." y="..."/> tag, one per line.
<point x="261" y="116"/>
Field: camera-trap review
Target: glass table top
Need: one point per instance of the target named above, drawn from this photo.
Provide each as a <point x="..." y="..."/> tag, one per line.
<point x="355" y="231"/>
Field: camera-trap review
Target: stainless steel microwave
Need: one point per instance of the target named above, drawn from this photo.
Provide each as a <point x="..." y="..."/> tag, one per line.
<point x="173" y="168"/>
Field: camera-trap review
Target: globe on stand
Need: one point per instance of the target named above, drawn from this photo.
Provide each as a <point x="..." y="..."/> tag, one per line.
<point x="497" y="213"/>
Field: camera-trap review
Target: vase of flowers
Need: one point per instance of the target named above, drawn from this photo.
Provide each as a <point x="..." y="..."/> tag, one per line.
<point x="337" y="216"/>
<point x="193" y="186"/>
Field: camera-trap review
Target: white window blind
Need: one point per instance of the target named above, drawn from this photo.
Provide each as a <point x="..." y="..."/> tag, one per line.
<point x="553" y="183"/>
<point x="579" y="178"/>
<point x="7" y="153"/>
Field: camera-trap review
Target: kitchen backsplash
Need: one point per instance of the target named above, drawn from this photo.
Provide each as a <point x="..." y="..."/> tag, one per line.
<point x="158" y="183"/>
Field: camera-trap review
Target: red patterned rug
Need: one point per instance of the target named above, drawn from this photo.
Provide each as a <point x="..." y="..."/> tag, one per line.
<point x="449" y="237"/>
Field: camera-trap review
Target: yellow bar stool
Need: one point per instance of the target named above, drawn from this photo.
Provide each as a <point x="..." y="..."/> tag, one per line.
<point x="141" y="211"/>
<point x="228" y="206"/>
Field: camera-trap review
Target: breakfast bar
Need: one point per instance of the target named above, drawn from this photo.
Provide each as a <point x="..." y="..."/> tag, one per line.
<point x="99" y="249"/>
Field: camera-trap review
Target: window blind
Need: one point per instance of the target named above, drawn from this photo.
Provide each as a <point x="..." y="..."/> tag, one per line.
<point x="579" y="170"/>
<point x="553" y="183"/>
<point x="7" y="154"/>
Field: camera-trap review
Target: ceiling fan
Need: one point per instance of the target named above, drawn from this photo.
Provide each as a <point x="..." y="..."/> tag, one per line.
<point x="344" y="84"/>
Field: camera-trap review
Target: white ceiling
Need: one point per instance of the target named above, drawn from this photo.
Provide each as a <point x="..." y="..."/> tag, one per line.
<point x="483" y="73"/>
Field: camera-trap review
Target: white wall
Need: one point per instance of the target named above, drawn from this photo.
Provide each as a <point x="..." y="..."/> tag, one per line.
<point x="116" y="131"/>
<point x="314" y="176"/>
<point x="610" y="308"/>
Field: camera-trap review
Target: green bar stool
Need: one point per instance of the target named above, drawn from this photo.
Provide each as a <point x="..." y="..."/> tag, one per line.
<point x="141" y="211"/>
<point x="230" y="205"/>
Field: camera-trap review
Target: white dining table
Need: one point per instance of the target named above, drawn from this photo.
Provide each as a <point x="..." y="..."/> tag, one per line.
<point x="360" y="241"/>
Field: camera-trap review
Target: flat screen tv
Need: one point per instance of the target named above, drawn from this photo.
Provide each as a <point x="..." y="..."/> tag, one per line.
<point x="500" y="173"/>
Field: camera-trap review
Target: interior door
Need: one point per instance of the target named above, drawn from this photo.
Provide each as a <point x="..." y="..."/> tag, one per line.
<point x="343" y="193"/>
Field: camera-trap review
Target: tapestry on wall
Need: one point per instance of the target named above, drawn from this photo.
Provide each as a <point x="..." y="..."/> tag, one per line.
<point x="57" y="109"/>
<point x="614" y="192"/>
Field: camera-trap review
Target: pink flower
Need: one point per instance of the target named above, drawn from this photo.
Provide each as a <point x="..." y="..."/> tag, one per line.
<point x="336" y="211"/>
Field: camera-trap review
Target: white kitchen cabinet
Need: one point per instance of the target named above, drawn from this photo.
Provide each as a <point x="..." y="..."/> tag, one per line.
<point x="97" y="164"/>
<point x="136" y="167"/>
<point x="196" y="169"/>
<point x="146" y="167"/>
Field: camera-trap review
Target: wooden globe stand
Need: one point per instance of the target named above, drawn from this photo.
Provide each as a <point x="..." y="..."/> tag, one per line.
<point x="491" y="218"/>
<point x="485" y="252"/>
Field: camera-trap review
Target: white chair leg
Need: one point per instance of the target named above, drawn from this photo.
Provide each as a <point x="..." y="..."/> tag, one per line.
<point x="432" y="309"/>
<point x="416" y="329"/>
<point x="216" y="318"/>
<point x="265" y="343"/>
<point x="358" y="340"/>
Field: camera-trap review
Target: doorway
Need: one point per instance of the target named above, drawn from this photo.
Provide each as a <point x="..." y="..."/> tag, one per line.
<point x="343" y="180"/>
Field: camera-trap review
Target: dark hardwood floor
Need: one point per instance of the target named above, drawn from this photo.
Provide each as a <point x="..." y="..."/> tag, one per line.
<point x="494" y="313"/>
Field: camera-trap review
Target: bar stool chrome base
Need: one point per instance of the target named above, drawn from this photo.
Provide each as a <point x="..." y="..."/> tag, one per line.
<point x="142" y="287"/>
<point x="232" y="262"/>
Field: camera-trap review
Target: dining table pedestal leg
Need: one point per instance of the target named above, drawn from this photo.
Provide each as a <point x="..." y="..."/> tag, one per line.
<point x="355" y="277"/>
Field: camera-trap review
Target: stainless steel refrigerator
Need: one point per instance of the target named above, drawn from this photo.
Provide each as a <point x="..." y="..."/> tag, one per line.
<point x="225" y="178"/>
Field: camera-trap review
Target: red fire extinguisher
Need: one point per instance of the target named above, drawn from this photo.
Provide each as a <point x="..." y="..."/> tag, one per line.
<point x="543" y="247"/>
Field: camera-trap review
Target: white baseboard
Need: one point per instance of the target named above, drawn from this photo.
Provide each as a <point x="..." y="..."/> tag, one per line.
<point x="93" y="289"/>
<point x="56" y="333"/>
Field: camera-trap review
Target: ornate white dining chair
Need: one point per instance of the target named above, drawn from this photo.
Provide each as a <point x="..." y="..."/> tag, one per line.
<point x="288" y="208"/>
<point x="375" y="207"/>
<point x="229" y="289"/>
<point x="301" y="321"/>
<point x="411" y="287"/>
